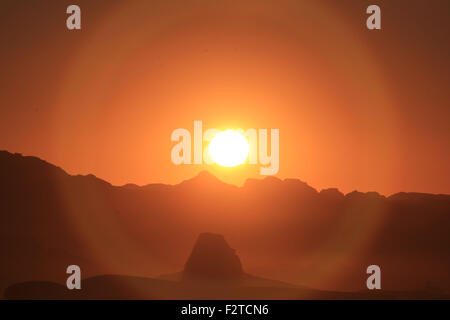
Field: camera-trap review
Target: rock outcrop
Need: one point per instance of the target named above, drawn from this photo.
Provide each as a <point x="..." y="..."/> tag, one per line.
<point x="212" y="259"/>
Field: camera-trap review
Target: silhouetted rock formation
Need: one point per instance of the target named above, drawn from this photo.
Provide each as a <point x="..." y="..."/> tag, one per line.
<point x="332" y="194"/>
<point x="283" y="229"/>
<point x="213" y="259"/>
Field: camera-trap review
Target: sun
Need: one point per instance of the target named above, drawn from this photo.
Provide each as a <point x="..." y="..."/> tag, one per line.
<point x="228" y="148"/>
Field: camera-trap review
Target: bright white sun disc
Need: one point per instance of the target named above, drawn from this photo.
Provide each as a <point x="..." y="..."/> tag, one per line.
<point x="228" y="148"/>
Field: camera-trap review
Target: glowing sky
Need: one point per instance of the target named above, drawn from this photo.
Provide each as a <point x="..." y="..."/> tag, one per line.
<point x="356" y="109"/>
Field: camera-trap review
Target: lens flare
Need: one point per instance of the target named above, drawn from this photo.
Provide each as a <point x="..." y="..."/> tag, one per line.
<point x="228" y="148"/>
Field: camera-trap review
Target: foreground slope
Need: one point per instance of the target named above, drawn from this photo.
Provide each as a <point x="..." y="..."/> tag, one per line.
<point x="283" y="229"/>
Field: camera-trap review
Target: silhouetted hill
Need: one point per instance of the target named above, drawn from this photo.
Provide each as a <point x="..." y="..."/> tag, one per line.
<point x="213" y="271"/>
<point x="204" y="178"/>
<point x="115" y="287"/>
<point x="283" y="229"/>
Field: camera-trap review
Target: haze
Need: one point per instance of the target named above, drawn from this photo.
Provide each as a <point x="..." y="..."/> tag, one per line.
<point x="356" y="109"/>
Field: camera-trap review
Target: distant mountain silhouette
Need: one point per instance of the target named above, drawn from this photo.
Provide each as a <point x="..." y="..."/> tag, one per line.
<point x="283" y="229"/>
<point x="204" y="178"/>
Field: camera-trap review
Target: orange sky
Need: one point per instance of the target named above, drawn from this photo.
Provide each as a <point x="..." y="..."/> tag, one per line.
<point x="356" y="109"/>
